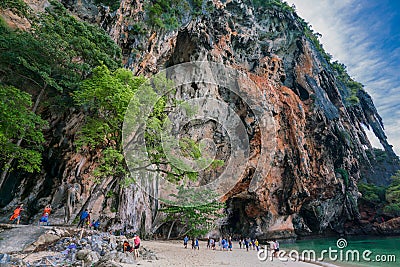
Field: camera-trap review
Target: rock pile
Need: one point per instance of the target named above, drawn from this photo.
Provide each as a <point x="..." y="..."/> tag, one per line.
<point x="88" y="248"/>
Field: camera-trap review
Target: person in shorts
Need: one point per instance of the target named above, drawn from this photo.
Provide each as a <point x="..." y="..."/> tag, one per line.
<point x="136" y="245"/>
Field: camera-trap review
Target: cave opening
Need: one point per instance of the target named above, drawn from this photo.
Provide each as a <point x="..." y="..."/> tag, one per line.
<point x="238" y="224"/>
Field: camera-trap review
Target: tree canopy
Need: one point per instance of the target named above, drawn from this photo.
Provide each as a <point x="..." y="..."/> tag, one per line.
<point x="393" y="195"/>
<point x="17" y="121"/>
<point x="50" y="59"/>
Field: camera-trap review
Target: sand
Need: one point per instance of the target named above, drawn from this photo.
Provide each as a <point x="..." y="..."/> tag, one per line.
<point x="172" y="253"/>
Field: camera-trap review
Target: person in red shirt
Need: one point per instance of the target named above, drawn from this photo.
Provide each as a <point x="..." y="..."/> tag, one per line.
<point x="47" y="209"/>
<point x="136" y="245"/>
<point x="17" y="214"/>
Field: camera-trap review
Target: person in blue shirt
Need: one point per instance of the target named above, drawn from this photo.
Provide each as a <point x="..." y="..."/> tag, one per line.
<point x="96" y="225"/>
<point x="223" y="243"/>
<point x="185" y="241"/>
<point x="84" y="216"/>
<point x="196" y="243"/>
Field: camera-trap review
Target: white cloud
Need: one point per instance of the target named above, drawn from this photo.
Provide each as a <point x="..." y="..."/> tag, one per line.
<point x="354" y="40"/>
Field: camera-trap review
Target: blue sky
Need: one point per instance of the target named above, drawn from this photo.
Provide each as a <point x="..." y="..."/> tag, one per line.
<point x="365" y="36"/>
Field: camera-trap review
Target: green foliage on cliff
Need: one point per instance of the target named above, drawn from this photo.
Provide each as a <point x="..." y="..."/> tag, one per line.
<point x="18" y="122"/>
<point x="47" y="62"/>
<point x="169" y="14"/>
<point x="17" y="6"/>
<point x="372" y="193"/>
<point x="57" y="53"/>
<point x="277" y="4"/>
<point x="393" y="195"/>
<point x="190" y="212"/>
<point x="105" y="97"/>
<point x="113" y="4"/>
<point x="377" y="154"/>
<point x="166" y="13"/>
<point x="351" y="85"/>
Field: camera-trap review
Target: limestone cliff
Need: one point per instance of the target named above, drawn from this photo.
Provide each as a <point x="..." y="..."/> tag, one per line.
<point x="310" y="187"/>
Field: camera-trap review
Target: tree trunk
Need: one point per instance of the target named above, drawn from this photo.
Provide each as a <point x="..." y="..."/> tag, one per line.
<point x="170" y="229"/>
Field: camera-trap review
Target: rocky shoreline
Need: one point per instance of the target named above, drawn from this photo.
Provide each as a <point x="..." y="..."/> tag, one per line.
<point x="27" y="245"/>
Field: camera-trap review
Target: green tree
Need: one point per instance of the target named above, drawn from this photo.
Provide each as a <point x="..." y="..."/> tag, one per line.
<point x="169" y="14"/>
<point x="52" y="57"/>
<point x="105" y="97"/>
<point x="372" y="193"/>
<point x="17" y="123"/>
<point x="393" y="195"/>
<point x="189" y="211"/>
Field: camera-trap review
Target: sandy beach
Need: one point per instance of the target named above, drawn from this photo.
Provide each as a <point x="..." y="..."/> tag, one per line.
<point x="172" y="253"/>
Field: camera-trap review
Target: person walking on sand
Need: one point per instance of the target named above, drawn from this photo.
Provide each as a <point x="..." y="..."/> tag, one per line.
<point x="196" y="244"/>
<point x="17" y="214"/>
<point x="223" y="244"/>
<point x="185" y="241"/>
<point x="192" y="242"/>
<point x="246" y="243"/>
<point x="257" y="244"/>
<point x="276" y="247"/>
<point x="208" y="243"/>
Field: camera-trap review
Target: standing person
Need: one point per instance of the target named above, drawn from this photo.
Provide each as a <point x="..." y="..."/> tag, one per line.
<point x="84" y="216"/>
<point x="212" y="242"/>
<point x="136" y="245"/>
<point x="47" y="209"/>
<point x="17" y="214"/>
<point x="246" y="243"/>
<point x="240" y="242"/>
<point x="230" y="243"/>
<point x="185" y="241"/>
<point x="196" y="243"/>
<point x="257" y="244"/>
<point x="208" y="243"/>
<point x="276" y="247"/>
<point x="192" y="242"/>
<point x="87" y="221"/>
<point x="223" y="242"/>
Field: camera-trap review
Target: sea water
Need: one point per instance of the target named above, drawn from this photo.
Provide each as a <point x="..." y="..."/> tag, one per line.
<point x="350" y="251"/>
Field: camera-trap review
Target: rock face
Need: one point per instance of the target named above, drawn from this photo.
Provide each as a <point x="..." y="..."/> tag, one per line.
<point x="311" y="185"/>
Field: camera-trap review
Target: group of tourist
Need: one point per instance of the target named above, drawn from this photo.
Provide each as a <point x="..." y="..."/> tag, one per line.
<point x="136" y="244"/>
<point x="84" y="218"/>
<point x="225" y="244"/>
<point x="44" y="219"/>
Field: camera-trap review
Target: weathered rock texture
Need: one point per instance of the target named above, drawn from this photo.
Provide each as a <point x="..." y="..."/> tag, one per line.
<point x="317" y="133"/>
